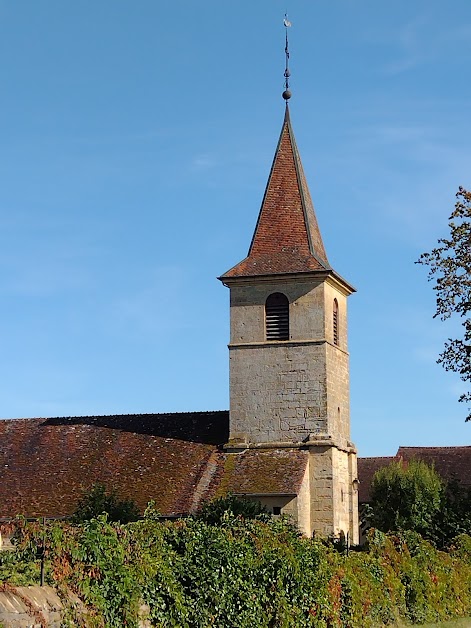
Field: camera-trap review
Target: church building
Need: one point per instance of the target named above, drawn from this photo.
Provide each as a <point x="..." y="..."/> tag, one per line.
<point x="286" y="438"/>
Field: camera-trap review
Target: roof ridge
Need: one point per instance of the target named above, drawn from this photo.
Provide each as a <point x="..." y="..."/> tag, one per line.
<point x="434" y="447"/>
<point x="376" y="457"/>
<point x="307" y="202"/>
<point x="107" y="416"/>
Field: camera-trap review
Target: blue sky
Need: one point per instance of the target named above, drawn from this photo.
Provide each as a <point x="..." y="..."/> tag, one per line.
<point x="137" y="139"/>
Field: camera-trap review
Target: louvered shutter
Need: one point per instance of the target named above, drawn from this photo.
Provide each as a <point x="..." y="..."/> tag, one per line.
<point x="277" y="317"/>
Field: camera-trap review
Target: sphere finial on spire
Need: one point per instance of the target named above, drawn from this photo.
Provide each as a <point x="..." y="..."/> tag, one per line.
<point x="287" y="93"/>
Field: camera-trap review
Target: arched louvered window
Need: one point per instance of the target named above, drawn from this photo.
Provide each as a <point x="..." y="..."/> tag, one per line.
<point x="335" y="319"/>
<point x="277" y="317"/>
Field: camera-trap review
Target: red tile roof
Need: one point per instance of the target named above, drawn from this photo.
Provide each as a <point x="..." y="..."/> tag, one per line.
<point x="175" y="459"/>
<point x="367" y="467"/>
<point x="449" y="462"/>
<point x="47" y="463"/>
<point x="262" y="472"/>
<point x="287" y="237"/>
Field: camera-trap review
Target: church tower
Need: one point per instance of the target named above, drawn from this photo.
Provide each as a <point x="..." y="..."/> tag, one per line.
<point x="289" y="363"/>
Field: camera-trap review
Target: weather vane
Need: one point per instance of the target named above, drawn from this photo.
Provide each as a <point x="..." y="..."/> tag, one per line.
<point x="286" y="94"/>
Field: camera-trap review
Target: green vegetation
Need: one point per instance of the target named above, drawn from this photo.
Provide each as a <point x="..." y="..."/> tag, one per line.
<point x="412" y="496"/>
<point x="454" y="516"/>
<point x="221" y="509"/>
<point x="97" y="501"/>
<point x="242" y="572"/>
<point x="406" y="496"/>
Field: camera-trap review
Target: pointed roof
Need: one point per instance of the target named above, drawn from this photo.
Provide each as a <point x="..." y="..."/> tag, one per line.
<point x="287" y="238"/>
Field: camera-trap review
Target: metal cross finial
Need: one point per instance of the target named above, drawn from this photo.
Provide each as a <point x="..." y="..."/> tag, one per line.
<point x="286" y="94"/>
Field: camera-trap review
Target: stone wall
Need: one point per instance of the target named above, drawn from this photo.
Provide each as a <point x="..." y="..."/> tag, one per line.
<point x="338" y="394"/>
<point x="28" y="607"/>
<point x="38" y="607"/>
<point x="322" y="490"/>
<point x="285" y="391"/>
<point x="306" y="300"/>
<point x="334" y="499"/>
<point x="342" y="493"/>
<point x="278" y="392"/>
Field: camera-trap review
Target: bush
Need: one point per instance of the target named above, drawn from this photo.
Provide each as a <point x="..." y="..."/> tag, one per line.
<point x="229" y="507"/>
<point x="247" y="573"/>
<point x="454" y="517"/>
<point x="406" y="497"/>
<point x="97" y="501"/>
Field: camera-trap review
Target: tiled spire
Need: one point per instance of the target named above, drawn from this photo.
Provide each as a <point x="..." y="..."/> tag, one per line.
<point x="287" y="237"/>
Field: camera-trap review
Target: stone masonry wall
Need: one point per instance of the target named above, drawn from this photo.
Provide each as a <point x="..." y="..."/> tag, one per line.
<point x="337" y="363"/>
<point x="306" y="300"/>
<point x="284" y="391"/>
<point x="341" y="492"/>
<point x="338" y="394"/>
<point x="277" y="392"/>
<point x="277" y="389"/>
<point x="331" y="292"/>
<point x="322" y="490"/>
<point x="334" y="501"/>
<point x="304" y="504"/>
<point x="354" y="519"/>
<point x="296" y="390"/>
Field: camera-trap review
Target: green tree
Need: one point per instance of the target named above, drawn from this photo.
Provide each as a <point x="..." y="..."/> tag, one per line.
<point x="454" y="517"/>
<point x="406" y="496"/>
<point x="230" y="506"/>
<point x="450" y="269"/>
<point x="96" y="501"/>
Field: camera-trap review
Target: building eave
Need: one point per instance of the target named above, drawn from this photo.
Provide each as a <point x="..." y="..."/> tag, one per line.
<point x="330" y="275"/>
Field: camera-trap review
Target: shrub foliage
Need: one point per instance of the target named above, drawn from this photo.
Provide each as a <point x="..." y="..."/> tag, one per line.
<point x="406" y="496"/>
<point x="219" y="510"/>
<point x="244" y="573"/>
<point x="98" y="500"/>
<point x="412" y="496"/>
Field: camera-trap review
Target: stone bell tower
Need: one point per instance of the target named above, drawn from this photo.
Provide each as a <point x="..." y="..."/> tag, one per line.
<point x="289" y="363"/>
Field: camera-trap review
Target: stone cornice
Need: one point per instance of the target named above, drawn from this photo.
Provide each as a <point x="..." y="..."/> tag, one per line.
<point x="329" y="276"/>
<point x="284" y="343"/>
<point x="314" y="441"/>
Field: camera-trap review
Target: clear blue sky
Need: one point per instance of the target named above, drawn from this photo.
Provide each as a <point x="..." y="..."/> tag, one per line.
<point x="137" y="139"/>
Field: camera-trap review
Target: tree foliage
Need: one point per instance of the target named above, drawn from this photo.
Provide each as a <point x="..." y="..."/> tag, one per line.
<point x="229" y="507"/>
<point x="406" y="497"/>
<point x="454" y="517"/>
<point x="97" y="500"/>
<point x="414" y="497"/>
<point x="450" y="269"/>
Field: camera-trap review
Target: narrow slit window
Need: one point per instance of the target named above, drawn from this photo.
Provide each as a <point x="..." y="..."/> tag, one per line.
<point x="335" y="319"/>
<point x="277" y="317"/>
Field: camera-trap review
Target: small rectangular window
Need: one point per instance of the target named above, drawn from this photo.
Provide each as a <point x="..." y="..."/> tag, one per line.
<point x="277" y="510"/>
<point x="336" y="322"/>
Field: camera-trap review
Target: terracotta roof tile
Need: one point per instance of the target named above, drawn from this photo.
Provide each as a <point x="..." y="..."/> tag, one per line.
<point x="47" y="463"/>
<point x="287" y="237"/>
<point x="261" y="472"/>
<point x="367" y="467"/>
<point x="449" y="462"/>
<point x="175" y="459"/>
